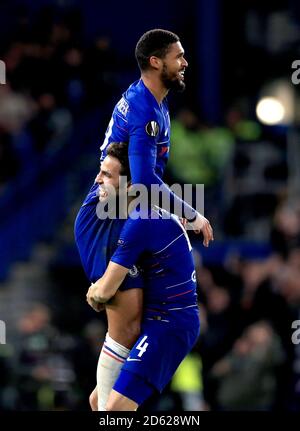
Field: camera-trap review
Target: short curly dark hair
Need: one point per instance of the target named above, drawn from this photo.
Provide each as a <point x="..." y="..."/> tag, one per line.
<point x="154" y="42"/>
<point x="119" y="150"/>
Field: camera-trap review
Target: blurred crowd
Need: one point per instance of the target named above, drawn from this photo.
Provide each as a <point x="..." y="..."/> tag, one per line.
<point x="248" y="307"/>
<point x="52" y="79"/>
<point x="47" y="367"/>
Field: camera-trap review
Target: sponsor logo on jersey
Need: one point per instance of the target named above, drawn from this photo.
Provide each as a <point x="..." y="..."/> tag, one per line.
<point x="134" y="272"/>
<point x="123" y="107"/>
<point x="120" y="241"/>
<point x="152" y="128"/>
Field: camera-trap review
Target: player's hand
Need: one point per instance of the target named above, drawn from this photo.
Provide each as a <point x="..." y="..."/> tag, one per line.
<point x="201" y="224"/>
<point x="91" y="298"/>
<point x="184" y="222"/>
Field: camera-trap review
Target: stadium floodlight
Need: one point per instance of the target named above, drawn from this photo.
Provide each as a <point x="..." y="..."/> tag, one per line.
<point x="270" y="111"/>
<point x="276" y="104"/>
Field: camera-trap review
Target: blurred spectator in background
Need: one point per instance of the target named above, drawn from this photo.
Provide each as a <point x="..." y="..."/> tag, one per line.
<point x="102" y="72"/>
<point x="44" y="374"/>
<point x="15" y="110"/>
<point x="8" y="392"/>
<point x="85" y="359"/>
<point x="205" y="150"/>
<point x="51" y="126"/>
<point x="286" y="228"/>
<point x="187" y="383"/>
<point x="247" y="375"/>
<point x="289" y="286"/>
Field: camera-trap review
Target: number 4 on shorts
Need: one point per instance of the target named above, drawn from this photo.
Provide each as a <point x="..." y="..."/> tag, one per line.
<point x="142" y="346"/>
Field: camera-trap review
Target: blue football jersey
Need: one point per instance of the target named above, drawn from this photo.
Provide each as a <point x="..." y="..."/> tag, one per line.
<point x="145" y="124"/>
<point x="162" y="248"/>
<point x="139" y="119"/>
<point x="170" y="325"/>
<point x="96" y="240"/>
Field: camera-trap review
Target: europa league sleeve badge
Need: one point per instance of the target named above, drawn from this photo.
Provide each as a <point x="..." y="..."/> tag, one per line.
<point x="152" y="128"/>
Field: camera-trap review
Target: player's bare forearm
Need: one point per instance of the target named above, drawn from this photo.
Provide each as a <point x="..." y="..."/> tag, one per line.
<point x="105" y="288"/>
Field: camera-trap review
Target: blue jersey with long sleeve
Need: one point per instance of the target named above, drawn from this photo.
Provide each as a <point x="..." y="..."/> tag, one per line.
<point x="170" y="324"/>
<point x="145" y="124"/>
<point x="96" y="239"/>
<point x="162" y="249"/>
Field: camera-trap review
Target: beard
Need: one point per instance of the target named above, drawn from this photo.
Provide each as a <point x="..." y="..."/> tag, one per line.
<point x="171" y="80"/>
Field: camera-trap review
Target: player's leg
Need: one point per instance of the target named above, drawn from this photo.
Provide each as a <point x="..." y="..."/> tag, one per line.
<point x="153" y="359"/>
<point x="124" y="314"/>
<point x="118" y="402"/>
<point x="112" y="357"/>
<point x="124" y="317"/>
<point x="93" y="400"/>
<point x="130" y="391"/>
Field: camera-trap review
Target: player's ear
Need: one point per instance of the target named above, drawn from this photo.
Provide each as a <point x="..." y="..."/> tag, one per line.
<point x="155" y="62"/>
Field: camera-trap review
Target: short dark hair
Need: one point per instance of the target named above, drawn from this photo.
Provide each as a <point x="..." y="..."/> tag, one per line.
<point x="154" y="42"/>
<point x="119" y="150"/>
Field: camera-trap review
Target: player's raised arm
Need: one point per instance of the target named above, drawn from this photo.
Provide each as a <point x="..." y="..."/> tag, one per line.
<point x="143" y="161"/>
